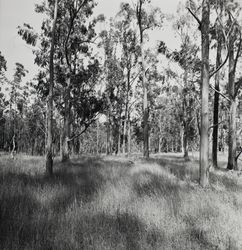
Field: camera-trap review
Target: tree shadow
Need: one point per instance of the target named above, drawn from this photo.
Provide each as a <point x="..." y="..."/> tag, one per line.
<point x="123" y="229"/>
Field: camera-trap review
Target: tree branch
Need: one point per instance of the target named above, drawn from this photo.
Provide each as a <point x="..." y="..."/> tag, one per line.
<point x="215" y="125"/>
<point x="197" y="19"/>
<point x="237" y="157"/>
<point x="224" y="96"/>
<point x="86" y="126"/>
<point x="220" y="66"/>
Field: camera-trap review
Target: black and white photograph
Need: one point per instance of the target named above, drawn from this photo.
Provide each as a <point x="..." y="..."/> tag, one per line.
<point x="120" y="125"/>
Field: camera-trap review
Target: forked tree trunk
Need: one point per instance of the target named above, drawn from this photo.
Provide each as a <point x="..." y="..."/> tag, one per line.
<point x="49" y="113"/>
<point x="204" y="142"/>
<point x="216" y="104"/>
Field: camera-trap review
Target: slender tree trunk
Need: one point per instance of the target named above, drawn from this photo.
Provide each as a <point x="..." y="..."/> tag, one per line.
<point x="129" y="137"/>
<point x="65" y="156"/>
<point x="124" y="132"/>
<point x="185" y="144"/>
<point x="97" y="141"/>
<point x="49" y="116"/>
<point x="204" y="142"/>
<point x="216" y="105"/>
<point x="159" y="144"/>
<point x="144" y="82"/>
<point x="119" y="136"/>
<point x="232" y="163"/>
<point x="185" y="118"/>
<point x="145" y="107"/>
<point x="108" y="142"/>
<point x="182" y="139"/>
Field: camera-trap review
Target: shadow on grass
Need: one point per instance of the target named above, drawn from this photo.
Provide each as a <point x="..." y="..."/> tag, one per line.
<point x="122" y="231"/>
<point x="31" y="204"/>
<point x="79" y="180"/>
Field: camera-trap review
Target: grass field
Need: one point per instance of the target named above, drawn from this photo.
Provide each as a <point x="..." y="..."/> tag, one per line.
<point x="118" y="203"/>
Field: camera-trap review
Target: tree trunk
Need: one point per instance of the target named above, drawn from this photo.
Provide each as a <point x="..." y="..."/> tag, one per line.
<point x="108" y="142"/>
<point x="49" y="113"/>
<point x="216" y="105"/>
<point x="185" y="145"/>
<point x="65" y="152"/>
<point x="204" y="142"/>
<point x="119" y="136"/>
<point x="129" y="137"/>
<point x="159" y="144"/>
<point x="144" y="83"/>
<point x="124" y="132"/>
<point x="185" y="117"/>
<point x="232" y="163"/>
<point x="145" y="112"/>
<point x="97" y="141"/>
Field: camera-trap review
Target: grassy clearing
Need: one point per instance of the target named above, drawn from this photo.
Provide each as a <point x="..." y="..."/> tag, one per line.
<point x="112" y="203"/>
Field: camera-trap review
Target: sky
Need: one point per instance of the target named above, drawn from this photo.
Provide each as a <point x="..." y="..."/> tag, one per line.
<point x="14" y="13"/>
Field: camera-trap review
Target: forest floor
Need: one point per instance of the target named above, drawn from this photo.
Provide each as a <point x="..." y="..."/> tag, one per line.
<point x="118" y="203"/>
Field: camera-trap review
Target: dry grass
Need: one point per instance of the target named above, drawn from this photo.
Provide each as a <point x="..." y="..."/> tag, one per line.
<point x="113" y="203"/>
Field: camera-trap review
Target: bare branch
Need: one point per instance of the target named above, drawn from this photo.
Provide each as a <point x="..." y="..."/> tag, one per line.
<point x="237" y="157"/>
<point x="197" y="19"/>
<point x="86" y="126"/>
<point x="220" y="66"/>
<point x="215" y="125"/>
<point x="224" y="96"/>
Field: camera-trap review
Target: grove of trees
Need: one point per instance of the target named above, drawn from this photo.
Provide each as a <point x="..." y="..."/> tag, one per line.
<point x="104" y="88"/>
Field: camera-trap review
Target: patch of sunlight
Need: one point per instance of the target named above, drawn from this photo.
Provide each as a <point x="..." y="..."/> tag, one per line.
<point x="154" y="169"/>
<point x="113" y="197"/>
<point x="214" y="216"/>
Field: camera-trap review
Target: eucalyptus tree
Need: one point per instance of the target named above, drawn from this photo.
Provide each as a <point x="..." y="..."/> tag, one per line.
<point x="235" y="40"/>
<point x="128" y="40"/>
<point x="204" y="142"/>
<point x="49" y="115"/>
<point x="113" y="78"/>
<point x="204" y="27"/>
<point x="187" y="58"/>
<point x="3" y="68"/>
<point x="220" y="43"/>
<point x="75" y="66"/>
<point x="75" y="34"/>
<point x="146" y="20"/>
